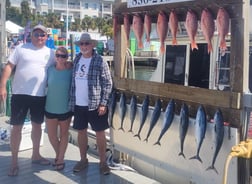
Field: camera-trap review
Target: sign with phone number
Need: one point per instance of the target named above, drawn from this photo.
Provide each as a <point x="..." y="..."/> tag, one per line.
<point x="138" y="3"/>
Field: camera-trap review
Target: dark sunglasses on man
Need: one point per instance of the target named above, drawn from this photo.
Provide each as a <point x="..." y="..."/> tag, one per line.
<point x="61" y="55"/>
<point x="85" y="43"/>
<point x="39" y="35"/>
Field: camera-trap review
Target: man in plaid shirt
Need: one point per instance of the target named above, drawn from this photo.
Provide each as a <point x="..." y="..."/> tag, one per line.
<point x="90" y="90"/>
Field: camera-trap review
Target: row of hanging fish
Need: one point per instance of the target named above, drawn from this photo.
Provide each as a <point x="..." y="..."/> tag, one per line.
<point x="141" y="26"/>
<point x="200" y="122"/>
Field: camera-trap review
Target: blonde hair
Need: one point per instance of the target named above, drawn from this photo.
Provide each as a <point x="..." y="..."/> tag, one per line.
<point x="62" y="49"/>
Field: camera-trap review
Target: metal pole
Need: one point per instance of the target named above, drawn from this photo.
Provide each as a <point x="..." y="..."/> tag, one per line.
<point x="67" y="25"/>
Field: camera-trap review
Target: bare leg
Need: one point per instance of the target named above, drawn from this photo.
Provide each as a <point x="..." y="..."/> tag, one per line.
<point x="83" y="142"/>
<point x="15" y="140"/>
<point x="52" y="127"/>
<point x="36" y="136"/>
<point x="63" y="141"/>
<point x="101" y="144"/>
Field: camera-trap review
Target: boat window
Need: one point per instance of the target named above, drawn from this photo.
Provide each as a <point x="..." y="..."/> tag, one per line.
<point x="175" y="64"/>
<point x="199" y="67"/>
<point x="223" y="71"/>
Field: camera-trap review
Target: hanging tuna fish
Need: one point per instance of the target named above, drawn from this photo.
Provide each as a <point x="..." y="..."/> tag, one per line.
<point x="162" y="29"/>
<point x="154" y="117"/>
<point x="111" y="108"/>
<point x="138" y="29"/>
<point x="122" y="109"/>
<point x="133" y="110"/>
<point x="191" y="25"/>
<point x="168" y="119"/>
<point x="207" y="27"/>
<point x="219" y="135"/>
<point x="222" y="23"/>
<point x="200" y="130"/>
<point x="173" y="25"/>
<point x="183" y="127"/>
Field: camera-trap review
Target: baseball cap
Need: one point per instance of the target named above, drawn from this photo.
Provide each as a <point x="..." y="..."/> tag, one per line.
<point x="40" y="27"/>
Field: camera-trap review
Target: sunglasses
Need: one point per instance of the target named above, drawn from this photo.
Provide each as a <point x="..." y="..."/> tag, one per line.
<point x="39" y="35"/>
<point x="61" y="55"/>
<point x="85" y="43"/>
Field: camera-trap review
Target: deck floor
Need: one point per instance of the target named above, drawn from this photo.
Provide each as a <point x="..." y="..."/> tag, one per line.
<point x="33" y="173"/>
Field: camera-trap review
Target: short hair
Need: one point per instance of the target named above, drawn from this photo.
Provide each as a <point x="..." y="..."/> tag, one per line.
<point x="62" y="49"/>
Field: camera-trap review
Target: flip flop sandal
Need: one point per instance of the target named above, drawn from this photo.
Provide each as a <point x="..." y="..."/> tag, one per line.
<point x="41" y="161"/>
<point x="54" y="163"/>
<point x="59" y="167"/>
<point x="13" y="171"/>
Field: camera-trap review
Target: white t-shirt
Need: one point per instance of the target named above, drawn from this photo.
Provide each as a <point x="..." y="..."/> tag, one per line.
<point x="81" y="81"/>
<point x="31" y="69"/>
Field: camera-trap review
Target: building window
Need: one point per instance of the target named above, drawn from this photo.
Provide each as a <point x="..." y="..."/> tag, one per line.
<point x="86" y="6"/>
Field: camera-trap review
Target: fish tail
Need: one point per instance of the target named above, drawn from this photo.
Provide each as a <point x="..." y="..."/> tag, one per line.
<point x="194" y="45"/>
<point x="138" y="135"/>
<point x="162" y="48"/>
<point x="140" y="44"/>
<point x="130" y="130"/>
<point x="146" y="139"/>
<point x="196" y="157"/>
<point x="157" y="143"/>
<point x="209" y="47"/>
<point x="121" y="128"/>
<point x="213" y="168"/>
<point x="223" y="45"/>
<point x="174" y="41"/>
<point x="181" y="154"/>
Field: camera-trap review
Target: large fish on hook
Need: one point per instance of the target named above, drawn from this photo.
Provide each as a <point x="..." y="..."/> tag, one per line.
<point x="122" y="109"/>
<point x="222" y="24"/>
<point x="144" y="113"/>
<point x="133" y="110"/>
<point x="219" y="135"/>
<point x="138" y="29"/>
<point x="200" y="130"/>
<point x="173" y="25"/>
<point x="207" y="27"/>
<point x="168" y="119"/>
<point x="191" y="25"/>
<point x="147" y="26"/>
<point x="183" y="127"/>
<point x="154" y="118"/>
<point x="126" y="25"/>
<point x="111" y="108"/>
<point x="162" y="29"/>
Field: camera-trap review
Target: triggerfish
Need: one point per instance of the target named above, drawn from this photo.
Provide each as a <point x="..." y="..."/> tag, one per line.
<point x="162" y="29"/>
<point x="145" y="110"/>
<point x="200" y="130"/>
<point x="138" y="29"/>
<point x="154" y="117"/>
<point x="111" y="108"/>
<point x="183" y="127"/>
<point x="219" y="135"/>
<point x="168" y="118"/>
<point x="191" y="25"/>
<point x="133" y="110"/>
<point x="222" y="23"/>
<point x="207" y="27"/>
<point x="122" y="109"/>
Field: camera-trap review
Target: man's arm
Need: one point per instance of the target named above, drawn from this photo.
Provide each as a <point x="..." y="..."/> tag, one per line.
<point x="4" y="78"/>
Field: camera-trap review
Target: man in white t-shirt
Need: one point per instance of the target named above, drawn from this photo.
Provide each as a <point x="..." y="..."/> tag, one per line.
<point x="30" y="62"/>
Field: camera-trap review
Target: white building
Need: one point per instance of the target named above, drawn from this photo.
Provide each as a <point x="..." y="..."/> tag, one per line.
<point x="77" y="8"/>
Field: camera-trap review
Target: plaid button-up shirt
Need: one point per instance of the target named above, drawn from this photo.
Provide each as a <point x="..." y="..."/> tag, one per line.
<point x="99" y="82"/>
